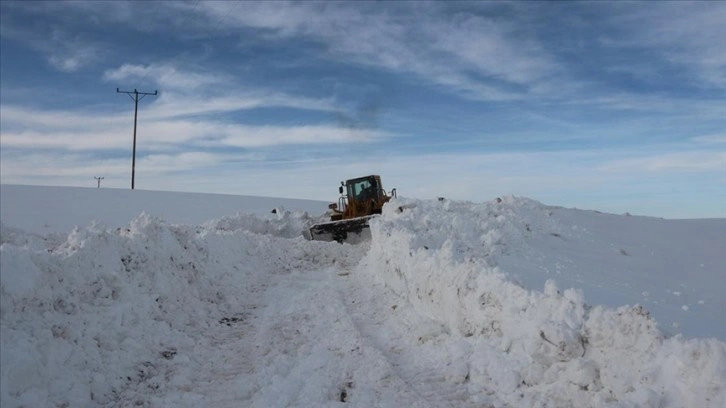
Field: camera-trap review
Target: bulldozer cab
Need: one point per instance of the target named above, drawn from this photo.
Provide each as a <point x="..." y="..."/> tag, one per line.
<point x="365" y="188"/>
<point x="361" y="196"/>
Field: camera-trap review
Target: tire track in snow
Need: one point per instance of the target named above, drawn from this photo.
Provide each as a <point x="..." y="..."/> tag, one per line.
<point x="294" y="341"/>
<point x="315" y="352"/>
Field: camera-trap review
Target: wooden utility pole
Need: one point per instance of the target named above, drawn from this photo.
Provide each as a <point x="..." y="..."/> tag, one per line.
<point x="135" y="96"/>
<point x="99" y="181"/>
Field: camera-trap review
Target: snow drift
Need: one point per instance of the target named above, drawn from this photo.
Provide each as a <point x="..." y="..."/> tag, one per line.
<point x="550" y="345"/>
<point x="242" y="311"/>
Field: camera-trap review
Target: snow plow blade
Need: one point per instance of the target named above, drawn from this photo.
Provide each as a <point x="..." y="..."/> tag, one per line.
<point x="351" y="231"/>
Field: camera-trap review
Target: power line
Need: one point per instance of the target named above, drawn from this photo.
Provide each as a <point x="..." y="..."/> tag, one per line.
<point x="99" y="181"/>
<point x="135" y="96"/>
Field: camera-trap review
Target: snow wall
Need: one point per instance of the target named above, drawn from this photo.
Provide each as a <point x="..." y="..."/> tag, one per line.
<point x="441" y="256"/>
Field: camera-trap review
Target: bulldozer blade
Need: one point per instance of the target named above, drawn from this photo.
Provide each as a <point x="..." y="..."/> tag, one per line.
<point x="351" y="231"/>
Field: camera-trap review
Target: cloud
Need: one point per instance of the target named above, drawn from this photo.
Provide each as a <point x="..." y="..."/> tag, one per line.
<point x="714" y="139"/>
<point x="688" y="35"/>
<point x="259" y="136"/>
<point x="58" y="168"/>
<point x="160" y="130"/>
<point x="693" y="37"/>
<point x="73" y="58"/>
<point x="496" y="52"/>
<point x="172" y="104"/>
<point x="163" y="163"/>
<point x="20" y="117"/>
<point x="693" y="161"/>
<point x="481" y="57"/>
<point x="213" y="92"/>
<point x="81" y="166"/>
<point x="492" y="51"/>
<point x="491" y="48"/>
<point x="474" y="53"/>
<point x="165" y="76"/>
<point x="83" y="140"/>
<point x="64" y="51"/>
<point x="170" y="120"/>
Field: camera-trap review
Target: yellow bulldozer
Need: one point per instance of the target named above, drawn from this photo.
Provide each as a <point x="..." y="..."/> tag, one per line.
<point x="360" y="199"/>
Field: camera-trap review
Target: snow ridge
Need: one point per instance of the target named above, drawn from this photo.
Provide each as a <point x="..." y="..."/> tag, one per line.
<point x="553" y="348"/>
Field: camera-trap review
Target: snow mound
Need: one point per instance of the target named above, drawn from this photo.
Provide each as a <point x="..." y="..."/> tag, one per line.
<point x="100" y="318"/>
<point x="281" y="223"/>
<point x="441" y="258"/>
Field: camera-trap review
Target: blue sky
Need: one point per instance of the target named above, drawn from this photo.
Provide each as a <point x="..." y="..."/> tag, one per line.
<point x="610" y="106"/>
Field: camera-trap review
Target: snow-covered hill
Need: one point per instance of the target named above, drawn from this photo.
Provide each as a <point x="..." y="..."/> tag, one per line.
<point x="45" y="210"/>
<point x="504" y="303"/>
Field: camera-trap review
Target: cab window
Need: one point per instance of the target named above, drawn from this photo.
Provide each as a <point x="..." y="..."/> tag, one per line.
<point x="363" y="190"/>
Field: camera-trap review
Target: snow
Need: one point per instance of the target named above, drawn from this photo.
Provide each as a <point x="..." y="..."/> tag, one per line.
<point x="59" y="209"/>
<point x="121" y="298"/>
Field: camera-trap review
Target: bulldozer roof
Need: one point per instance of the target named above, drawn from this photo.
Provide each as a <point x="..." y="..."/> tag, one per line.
<point x="353" y="180"/>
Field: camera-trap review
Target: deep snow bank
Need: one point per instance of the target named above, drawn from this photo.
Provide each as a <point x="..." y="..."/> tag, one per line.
<point x="441" y="256"/>
<point x="112" y="317"/>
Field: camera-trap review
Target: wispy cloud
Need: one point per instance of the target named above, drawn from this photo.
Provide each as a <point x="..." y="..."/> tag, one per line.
<point x="691" y="35"/>
<point x="62" y="50"/>
<point x="43" y="166"/>
<point x="166" y="76"/>
<point x="249" y="136"/>
<point x="74" y="56"/>
<point x="20" y="117"/>
<point x="84" y="140"/>
<point x="715" y="139"/>
<point x="171" y="104"/>
<point x="480" y="57"/>
<point x="41" y="129"/>
<point x="477" y="55"/>
<point x="686" y="34"/>
<point x="170" y="120"/>
<point x="186" y="161"/>
<point x="497" y="51"/>
<point x="680" y="161"/>
<point x="221" y="93"/>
